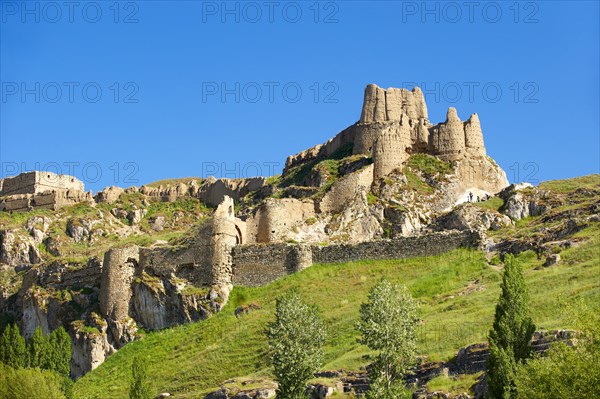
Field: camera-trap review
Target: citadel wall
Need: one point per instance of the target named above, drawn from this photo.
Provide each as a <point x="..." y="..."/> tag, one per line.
<point x="259" y="264"/>
<point x="38" y="182"/>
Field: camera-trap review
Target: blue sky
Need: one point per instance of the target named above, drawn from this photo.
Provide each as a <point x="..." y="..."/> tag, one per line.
<point x="146" y="90"/>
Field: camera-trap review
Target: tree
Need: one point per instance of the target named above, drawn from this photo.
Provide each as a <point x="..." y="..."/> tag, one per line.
<point x="60" y="351"/>
<point x="39" y="351"/>
<point x="29" y="383"/>
<point x="388" y="325"/>
<point x="296" y="339"/>
<point x="139" y="388"/>
<point x="566" y="372"/>
<point x="12" y="347"/>
<point x="511" y="332"/>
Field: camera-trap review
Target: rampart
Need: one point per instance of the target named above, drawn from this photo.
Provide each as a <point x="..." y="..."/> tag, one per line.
<point x="259" y="264"/>
<point x="38" y="182"/>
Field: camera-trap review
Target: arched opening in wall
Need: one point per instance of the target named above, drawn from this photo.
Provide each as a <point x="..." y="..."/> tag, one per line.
<point x="238" y="237"/>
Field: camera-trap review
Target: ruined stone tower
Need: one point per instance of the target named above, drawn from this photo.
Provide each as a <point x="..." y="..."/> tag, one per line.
<point x="118" y="269"/>
<point x="448" y="138"/>
<point x="474" y="137"/>
<point x="391" y="147"/>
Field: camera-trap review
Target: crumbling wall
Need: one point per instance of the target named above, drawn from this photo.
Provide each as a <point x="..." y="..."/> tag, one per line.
<point x="344" y="190"/>
<point x="391" y="148"/>
<point x="385" y="105"/>
<point x="322" y="151"/>
<point x="38" y="182"/>
<point x="276" y="217"/>
<point x="474" y="137"/>
<point x="115" y="286"/>
<point x="448" y="138"/>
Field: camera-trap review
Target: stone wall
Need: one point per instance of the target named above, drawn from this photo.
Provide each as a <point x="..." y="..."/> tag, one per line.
<point x="260" y="264"/>
<point x="405" y="247"/>
<point x="385" y="105"/>
<point x="38" y="182"/>
<point x="322" y="151"/>
<point x="54" y="200"/>
<point x="117" y="274"/>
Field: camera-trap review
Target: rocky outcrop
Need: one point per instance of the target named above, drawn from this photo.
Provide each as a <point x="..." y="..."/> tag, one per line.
<point x="472" y="217"/>
<point x="521" y="201"/>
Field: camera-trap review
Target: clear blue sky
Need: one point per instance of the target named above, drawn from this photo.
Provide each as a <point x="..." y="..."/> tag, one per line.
<point x="166" y="116"/>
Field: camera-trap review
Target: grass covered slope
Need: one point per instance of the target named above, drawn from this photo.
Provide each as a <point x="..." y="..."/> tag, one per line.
<point x="457" y="292"/>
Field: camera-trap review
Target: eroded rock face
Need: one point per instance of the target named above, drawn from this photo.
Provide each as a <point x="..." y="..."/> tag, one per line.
<point x="472" y="217"/>
<point x="17" y="248"/>
<point x="521" y="201"/>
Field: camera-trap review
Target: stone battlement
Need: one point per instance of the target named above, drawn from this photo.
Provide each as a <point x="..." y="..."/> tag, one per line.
<point x="37" y="182"/>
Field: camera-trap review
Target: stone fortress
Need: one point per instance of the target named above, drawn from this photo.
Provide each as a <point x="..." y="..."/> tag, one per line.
<point x="279" y="229"/>
<point x="41" y="190"/>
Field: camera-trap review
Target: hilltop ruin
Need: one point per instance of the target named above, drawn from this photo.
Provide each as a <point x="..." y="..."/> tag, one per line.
<point x="376" y="190"/>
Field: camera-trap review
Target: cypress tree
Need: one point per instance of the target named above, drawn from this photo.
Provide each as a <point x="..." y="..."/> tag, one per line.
<point x="12" y="347"/>
<point x="60" y="349"/>
<point x="511" y="332"/>
<point x="39" y="351"/>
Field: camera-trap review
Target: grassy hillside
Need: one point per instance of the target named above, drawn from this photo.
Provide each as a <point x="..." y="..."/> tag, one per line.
<point x="457" y="293"/>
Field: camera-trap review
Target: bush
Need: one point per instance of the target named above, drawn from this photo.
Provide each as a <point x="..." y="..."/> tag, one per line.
<point x="29" y="384"/>
<point x="566" y="372"/>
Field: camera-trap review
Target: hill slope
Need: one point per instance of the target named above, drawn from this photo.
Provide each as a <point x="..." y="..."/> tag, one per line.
<point x="457" y="292"/>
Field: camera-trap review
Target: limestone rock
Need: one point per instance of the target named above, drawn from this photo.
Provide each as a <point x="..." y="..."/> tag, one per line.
<point x="552" y="260"/>
<point x="521" y="200"/>
<point x="472" y="217"/>
<point x="109" y="195"/>
<point x="135" y="216"/>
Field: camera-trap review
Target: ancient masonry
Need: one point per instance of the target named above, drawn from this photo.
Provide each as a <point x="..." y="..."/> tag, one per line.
<point x="41" y="190"/>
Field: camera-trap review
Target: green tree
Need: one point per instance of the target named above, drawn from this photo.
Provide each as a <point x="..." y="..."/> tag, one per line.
<point x="60" y="351"/>
<point x="13" y="350"/>
<point x="388" y="325"/>
<point x="29" y="384"/>
<point x="39" y="351"/>
<point x="510" y="334"/>
<point x="566" y="372"/>
<point x="296" y="339"/>
<point x="139" y="389"/>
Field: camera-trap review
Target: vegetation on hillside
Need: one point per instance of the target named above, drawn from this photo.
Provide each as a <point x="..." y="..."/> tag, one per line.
<point x="457" y="293"/>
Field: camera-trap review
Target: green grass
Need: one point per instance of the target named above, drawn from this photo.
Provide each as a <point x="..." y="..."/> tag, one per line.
<point x="429" y="165"/>
<point x="569" y="185"/>
<point x="455" y="385"/>
<point x="494" y="203"/>
<point x="193" y="359"/>
<point x="174" y="182"/>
